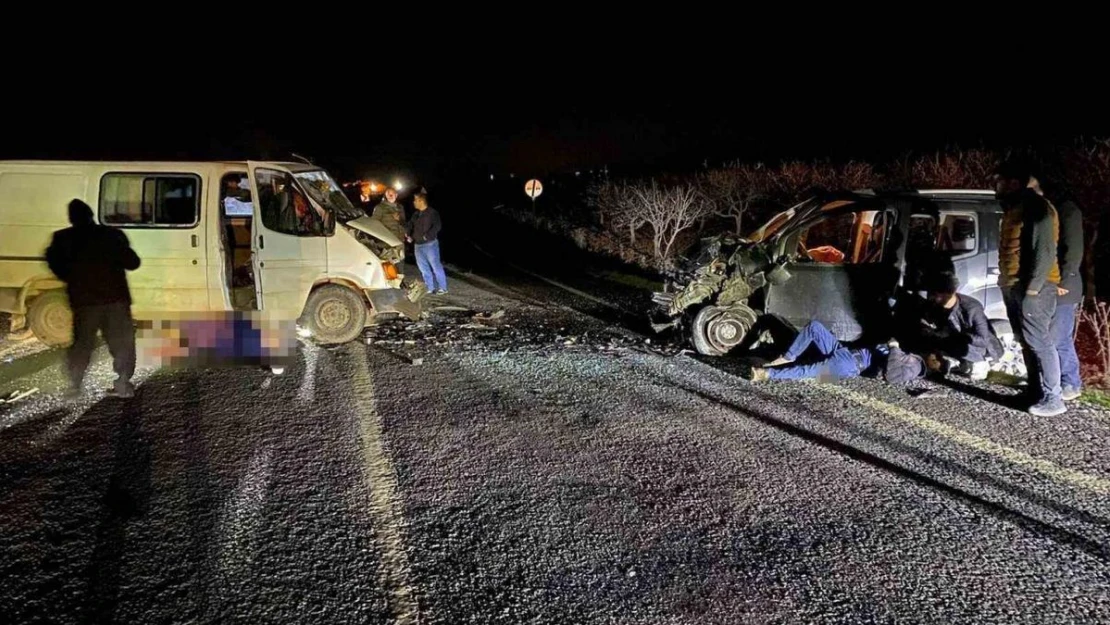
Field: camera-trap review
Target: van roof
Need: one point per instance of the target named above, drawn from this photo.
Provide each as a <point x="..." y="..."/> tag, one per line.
<point x="147" y="163"/>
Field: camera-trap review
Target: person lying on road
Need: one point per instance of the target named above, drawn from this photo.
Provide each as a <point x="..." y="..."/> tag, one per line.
<point x="833" y="360"/>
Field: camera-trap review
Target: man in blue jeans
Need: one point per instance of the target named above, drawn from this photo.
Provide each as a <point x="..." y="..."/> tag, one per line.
<point x="1070" y="295"/>
<point x="836" y="361"/>
<point x="423" y="232"/>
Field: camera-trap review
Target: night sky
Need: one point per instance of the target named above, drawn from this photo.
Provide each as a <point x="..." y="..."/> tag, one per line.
<point x="583" y="114"/>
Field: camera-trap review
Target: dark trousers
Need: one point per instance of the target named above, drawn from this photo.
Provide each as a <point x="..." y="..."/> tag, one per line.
<point x="114" y="322"/>
<point x="1063" y="332"/>
<point x="1031" y="319"/>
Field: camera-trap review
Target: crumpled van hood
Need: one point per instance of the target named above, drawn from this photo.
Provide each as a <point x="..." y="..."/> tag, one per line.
<point x="376" y="229"/>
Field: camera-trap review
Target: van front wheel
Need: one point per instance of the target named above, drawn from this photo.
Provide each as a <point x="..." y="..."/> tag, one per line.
<point x="334" y="314"/>
<point x="51" y="318"/>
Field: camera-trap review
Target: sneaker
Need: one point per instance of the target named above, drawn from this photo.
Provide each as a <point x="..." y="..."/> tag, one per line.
<point x="980" y="370"/>
<point x="440" y="292"/>
<point x="1071" y="393"/>
<point x="1048" y="408"/>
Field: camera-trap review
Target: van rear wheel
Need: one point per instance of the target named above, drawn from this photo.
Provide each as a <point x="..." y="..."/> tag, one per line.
<point x="334" y="314"/>
<point x="51" y="318"/>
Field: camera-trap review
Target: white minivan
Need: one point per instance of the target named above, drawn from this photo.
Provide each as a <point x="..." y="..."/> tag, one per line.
<point x="281" y="238"/>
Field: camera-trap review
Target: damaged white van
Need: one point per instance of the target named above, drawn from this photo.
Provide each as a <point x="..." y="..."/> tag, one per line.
<point x="281" y="238"/>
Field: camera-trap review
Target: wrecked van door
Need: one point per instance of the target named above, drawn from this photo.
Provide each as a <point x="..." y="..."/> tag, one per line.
<point x="845" y="268"/>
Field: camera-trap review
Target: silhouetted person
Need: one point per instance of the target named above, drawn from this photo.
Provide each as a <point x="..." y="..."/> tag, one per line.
<point x="93" y="260"/>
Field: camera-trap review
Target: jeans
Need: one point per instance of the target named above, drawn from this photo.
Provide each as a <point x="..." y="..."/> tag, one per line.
<point x="1031" y="319"/>
<point x="114" y="321"/>
<point x="427" y="259"/>
<point x="837" y="361"/>
<point x="1063" y="332"/>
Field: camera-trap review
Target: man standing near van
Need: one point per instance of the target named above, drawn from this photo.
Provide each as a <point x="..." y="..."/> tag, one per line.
<point x="93" y="260"/>
<point x="1029" y="277"/>
<point x="391" y="214"/>
<point x="1070" y="257"/>
<point x="423" y="232"/>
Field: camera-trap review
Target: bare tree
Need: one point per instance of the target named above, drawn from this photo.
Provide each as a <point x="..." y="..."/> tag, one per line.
<point x="669" y="212"/>
<point x="616" y="205"/>
<point x="733" y="191"/>
<point x="1097" y="317"/>
<point x="955" y="169"/>
<point x="855" y="175"/>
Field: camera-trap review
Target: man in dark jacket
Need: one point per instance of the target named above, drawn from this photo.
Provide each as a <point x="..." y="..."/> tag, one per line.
<point x="1029" y="276"/>
<point x="955" y="326"/>
<point x="423" y="231"/>
<point x="1069" y="254"/>
<point x="93" y="260"/>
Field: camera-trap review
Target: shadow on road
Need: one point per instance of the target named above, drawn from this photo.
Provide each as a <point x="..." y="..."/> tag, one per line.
<point x="998" y="510"/>
<point x="126" y="498"/>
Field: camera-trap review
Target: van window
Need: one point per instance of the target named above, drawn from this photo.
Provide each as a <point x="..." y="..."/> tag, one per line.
<point x="958" y="233"/>
<point x="150" y="200"/>
<point x="955" y="235"/>
<point x="286" y="209"/>
<point x="850" y="238"/>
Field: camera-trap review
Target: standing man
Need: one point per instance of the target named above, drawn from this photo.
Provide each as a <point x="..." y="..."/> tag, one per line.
<point x="1069" y="255"/>
<point x="391" y="214"/>
<point x="1029" y="276"/>
<point x="423" y="232"/>
<point x="93" y="260"/>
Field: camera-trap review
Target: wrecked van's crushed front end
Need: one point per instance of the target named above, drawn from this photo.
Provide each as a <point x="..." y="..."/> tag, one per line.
<point x="717" y="292"/>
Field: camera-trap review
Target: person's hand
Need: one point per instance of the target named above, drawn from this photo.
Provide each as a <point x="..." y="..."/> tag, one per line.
<point x="1061" y="291"/>
<point x="409" y="239"/>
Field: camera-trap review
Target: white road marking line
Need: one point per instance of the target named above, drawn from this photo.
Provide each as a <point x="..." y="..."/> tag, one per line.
<point x="240" y="519"/>
<point x="978" y="443"/>
<point x="307" y="391"/>
<point x="384" y="504"/>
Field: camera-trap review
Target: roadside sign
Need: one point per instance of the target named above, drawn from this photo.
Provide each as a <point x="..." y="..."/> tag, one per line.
<point x="533" y="188"/>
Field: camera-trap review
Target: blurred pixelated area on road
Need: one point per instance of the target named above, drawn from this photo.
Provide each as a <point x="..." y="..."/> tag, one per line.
<point x="216" y="339"/>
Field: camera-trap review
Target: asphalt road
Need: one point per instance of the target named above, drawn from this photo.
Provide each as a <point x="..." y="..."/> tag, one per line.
<point x="544" y="466"/>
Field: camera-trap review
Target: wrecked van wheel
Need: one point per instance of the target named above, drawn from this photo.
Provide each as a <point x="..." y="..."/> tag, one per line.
<point x="716" y="330"/>
<point x="51" y="318"/>
<point x="334" y="314"/>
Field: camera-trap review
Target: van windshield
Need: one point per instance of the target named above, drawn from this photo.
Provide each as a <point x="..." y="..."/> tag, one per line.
<point x="325" y="192"/>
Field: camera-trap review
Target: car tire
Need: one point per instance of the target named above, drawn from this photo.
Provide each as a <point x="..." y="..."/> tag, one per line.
<point x="334" y="314"/>
<point x="51" y="318"/>
<point x="718" y="329"/>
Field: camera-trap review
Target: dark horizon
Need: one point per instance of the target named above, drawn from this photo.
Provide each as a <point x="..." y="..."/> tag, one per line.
<point x="500" y="131"/>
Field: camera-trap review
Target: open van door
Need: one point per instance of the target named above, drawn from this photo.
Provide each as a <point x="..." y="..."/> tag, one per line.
<point x="288" y="239"/>
<point x="845" y="268"/>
